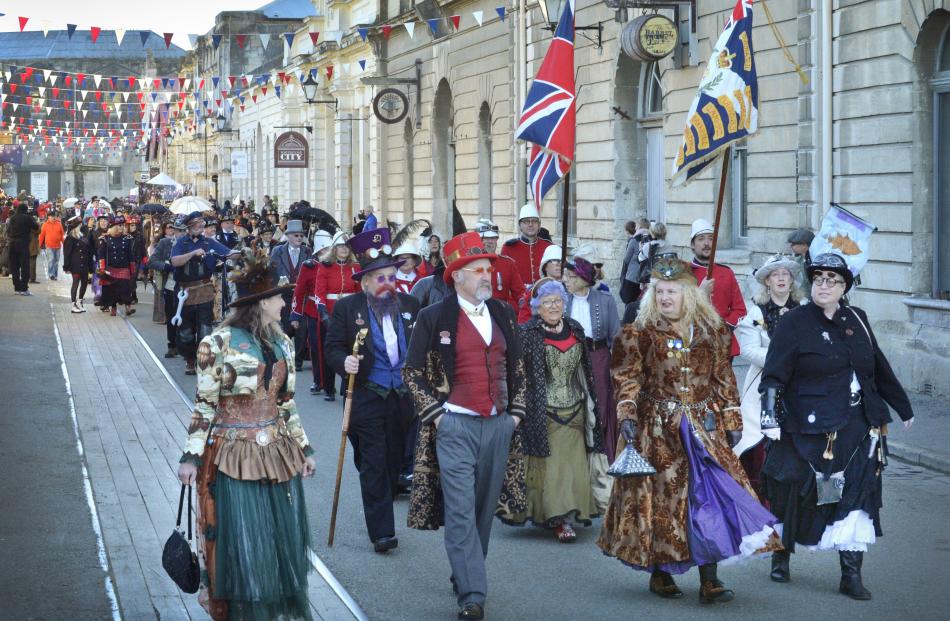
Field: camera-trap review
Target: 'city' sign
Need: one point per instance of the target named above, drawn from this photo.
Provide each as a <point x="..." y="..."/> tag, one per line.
<point x="291" y="151"/>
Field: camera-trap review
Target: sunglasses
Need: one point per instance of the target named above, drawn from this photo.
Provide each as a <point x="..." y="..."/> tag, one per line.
<point x="383" y="279"/>
<point x="480" y="271"/>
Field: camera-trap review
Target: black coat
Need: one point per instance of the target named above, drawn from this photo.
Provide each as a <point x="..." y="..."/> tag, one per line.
<point x="351" y="314"/>
<point x="535" y="423"/>
<point x="78" y="257"/>
<point x="21" y="226"/>
<point x="813" y="358"/>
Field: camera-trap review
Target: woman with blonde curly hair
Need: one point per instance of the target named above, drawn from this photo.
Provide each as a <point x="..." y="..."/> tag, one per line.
<point x="677" y="402"/>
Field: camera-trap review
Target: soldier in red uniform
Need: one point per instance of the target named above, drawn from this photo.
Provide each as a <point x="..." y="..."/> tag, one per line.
<point x="725" y="292"/>
<point x="408" y="274"/>
<point x="305" y="308"/>
<point x="507" y="284"/>
<point x="526" y="250"/>
<point x="334" y="282"/>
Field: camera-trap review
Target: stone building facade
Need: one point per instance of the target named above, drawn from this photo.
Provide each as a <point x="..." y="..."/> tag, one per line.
<point x="864" y="127"/>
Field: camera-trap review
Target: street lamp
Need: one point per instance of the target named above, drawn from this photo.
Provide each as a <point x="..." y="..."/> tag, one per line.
<point x="310" y="86"/>
<point x="220" y="122"/>
<point x="551" y="12"/>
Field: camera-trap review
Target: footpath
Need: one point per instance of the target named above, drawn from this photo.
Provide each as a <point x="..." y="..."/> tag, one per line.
<point x="131" y="422"/>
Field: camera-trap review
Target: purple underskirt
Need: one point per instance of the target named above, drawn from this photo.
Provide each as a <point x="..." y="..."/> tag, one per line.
<point x="721" y="512"/>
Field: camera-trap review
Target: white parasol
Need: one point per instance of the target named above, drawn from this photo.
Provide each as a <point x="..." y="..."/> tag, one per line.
<point x="187" y="204"/>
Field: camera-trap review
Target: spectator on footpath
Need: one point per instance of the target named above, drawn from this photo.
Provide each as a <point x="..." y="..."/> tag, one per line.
<point x="799" y="242"/>
<point x="34" y="244"/>
<point x="79" y="259"/>
<point x="723" y="288"/>
<point x="636" y="231"/>
<point x="51" y="239"/>
<point x="20" y="230"/>
<point x="371" y="221"/>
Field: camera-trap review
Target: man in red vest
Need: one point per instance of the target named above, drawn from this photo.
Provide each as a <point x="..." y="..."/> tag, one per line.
<point x="526" y="250"/>
<point x="506" y="283"/>
<point x="465" y="373"/>
<point x="726" y="294"/>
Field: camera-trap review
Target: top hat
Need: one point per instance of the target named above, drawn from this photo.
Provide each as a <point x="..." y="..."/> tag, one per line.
<point x="831" y="262"/>
<point x="462" y="250"/>
<point x="373" y="251"/>
<point x="255" y="278"/>
<point x="294" y="226"/>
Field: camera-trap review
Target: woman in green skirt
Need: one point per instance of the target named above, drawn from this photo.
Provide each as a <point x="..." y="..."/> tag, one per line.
<point x="248" y="451"/>
<point x="561" y="429"/>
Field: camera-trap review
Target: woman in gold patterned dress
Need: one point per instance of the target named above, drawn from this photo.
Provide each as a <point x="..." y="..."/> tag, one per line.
<point x="248" y="451"/>
<point x="677" y="401"/>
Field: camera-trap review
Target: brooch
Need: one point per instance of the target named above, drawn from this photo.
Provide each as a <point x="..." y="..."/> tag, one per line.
<point x="359" y="319"/>
<point x="849" y="332"/>
<point x="826" y="336"/>
<point x="445" y="338"/>
<point x="406" y="316"/>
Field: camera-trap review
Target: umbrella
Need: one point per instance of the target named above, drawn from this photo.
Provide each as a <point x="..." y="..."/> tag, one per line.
<point x="312" y="214"/>
<point x="161" y="179"/>
<point x="187" y="204"/>
<point x="152" y="208"/>
<point x="69" y="202"/>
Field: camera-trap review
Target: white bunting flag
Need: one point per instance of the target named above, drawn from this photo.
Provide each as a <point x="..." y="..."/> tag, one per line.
<point x="265" y="39"/>
<point x="478" y="15"/>
<point x="46" y="73"/>
<point x="97" y="79"/>
<point x="410" y="28"/>
<point x="193" y="40"/>
<point x="119" y="35"/>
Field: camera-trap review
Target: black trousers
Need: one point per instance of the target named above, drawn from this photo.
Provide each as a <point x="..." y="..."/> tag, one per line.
<point x="312" y="327"/>
<point x="299" y="336"/>
<point x="20" y="264"/>
<point x="377" y="430"/>
<point x="195" y="325"/>
<point x="170" y="302"/>
<point x="78" y="289"/>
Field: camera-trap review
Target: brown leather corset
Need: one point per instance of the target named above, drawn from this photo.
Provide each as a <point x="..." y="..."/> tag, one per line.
<point x="253" y="417"/>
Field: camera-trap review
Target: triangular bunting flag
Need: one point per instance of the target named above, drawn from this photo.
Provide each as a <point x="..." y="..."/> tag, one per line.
<point x="363" y="32"/>
<point x="168" y="39"/>
<point x="329" y="72"/>
<point x="265" y="39"/>
<point x="433" y="25"/>
<point x="143" y="35"/>
<point x="119" y="35"/>
<point x="97" y="79"/>
<point x="479" y="16"/>
<point x="289" y="38"/>
<point x="387" y="30"/>
<point x="501" y="12"/>
<point x="314" y="36"/>
<point x="70" y="30"/>
<point x="456" y="20"/>
<point x="277" y="91"/>
<point x="216" y="40"/>
<point x="362" y="65"/>
<point x="23" y="21"/>
<point x="410" y="28"/>
<point x="241" y="40"/>
<point x="94" y="33"/>
<point x="193" y="40"/>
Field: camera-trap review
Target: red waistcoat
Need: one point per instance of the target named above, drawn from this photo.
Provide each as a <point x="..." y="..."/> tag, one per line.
<point x="481" y="371"/>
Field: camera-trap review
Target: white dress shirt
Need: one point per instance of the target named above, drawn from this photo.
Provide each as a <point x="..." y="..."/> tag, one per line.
<point x="580" y="312"/>
<point x="392" y="341"/>
<point x="294" y="255"/>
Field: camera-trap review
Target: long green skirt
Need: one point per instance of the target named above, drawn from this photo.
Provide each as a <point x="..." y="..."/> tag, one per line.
<point x="262" y="538"/>
<point x="558" y="486"/>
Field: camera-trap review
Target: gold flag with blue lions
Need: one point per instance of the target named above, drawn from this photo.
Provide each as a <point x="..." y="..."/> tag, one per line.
<point x="726" y="107"/>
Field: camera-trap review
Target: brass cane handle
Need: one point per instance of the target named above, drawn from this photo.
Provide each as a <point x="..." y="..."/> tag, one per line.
<point x="360" y="338"/>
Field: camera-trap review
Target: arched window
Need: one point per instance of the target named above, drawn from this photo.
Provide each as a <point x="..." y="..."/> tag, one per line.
<point x="484" y="162"/>
<point x="940" y="83"/>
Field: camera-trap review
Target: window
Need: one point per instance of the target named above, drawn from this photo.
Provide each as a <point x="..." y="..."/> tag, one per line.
<point x="652" y="102"/>
<point x="941" y="157"/>
<point x="740" y="195"/>
<point x="115" y="178"/>
<point x="484" y="162"/>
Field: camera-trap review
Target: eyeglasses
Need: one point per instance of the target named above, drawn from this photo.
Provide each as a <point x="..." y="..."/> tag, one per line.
<point x="383" y="279"/>
<point x="481" y="271"/>
<point x="552" y="303"/>
<point x="824" y="281"/>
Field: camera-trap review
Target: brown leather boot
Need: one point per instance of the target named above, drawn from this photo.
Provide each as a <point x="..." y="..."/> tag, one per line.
<point x="711" y="590"/>
<point x="663" y="585"/>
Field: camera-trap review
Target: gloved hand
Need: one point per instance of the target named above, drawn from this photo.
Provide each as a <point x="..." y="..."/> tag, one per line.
<point x="769" y="399"/>
<point x="772" y="434"/>
<point x="628" y="429"/>
<point x="733" y="438"/>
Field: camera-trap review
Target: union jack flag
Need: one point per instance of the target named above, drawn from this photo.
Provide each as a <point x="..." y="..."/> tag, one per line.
<point x="548" y="119"/>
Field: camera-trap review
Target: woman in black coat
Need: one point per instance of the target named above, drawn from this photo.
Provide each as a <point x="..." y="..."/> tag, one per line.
<point x="830" y="385"/>
<point x="79" y="260"/>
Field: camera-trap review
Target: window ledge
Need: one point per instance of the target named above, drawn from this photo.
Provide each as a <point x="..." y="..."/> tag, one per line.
<point x="929" y="312"/>
<point x="734" y="256"/>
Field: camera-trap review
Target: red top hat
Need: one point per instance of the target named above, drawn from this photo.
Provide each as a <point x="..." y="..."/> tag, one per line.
<point x="462" y="250"/>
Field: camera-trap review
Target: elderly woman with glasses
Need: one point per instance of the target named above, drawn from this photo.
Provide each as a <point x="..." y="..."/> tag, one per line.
<point x="828" y="385"/>
<point x="561" y="426"/>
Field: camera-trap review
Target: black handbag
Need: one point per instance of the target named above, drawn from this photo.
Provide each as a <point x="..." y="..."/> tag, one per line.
<point x="178" y="559"/>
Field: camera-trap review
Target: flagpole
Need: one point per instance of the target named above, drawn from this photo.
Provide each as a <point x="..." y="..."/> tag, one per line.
<point x="564" y="215"/>
<point x="722" y="190"/>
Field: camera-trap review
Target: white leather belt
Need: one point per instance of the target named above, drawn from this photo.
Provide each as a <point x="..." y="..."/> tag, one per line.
<point x="336" y="296"/>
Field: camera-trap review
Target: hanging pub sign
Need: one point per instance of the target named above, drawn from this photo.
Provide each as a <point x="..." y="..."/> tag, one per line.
<point x="649" y="38"/>
<point x="291" y="151"/>
<point x="391" y="105"/>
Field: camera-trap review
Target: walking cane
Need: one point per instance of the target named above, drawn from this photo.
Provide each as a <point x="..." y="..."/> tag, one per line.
<point x="360" y="337"/>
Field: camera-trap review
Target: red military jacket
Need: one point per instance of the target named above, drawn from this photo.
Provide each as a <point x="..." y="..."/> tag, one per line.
<point x="726" y="297"/>
<point x="405" y="285"/>
<point x="305" y="301"/>
<point x="335" y="280"/>
<point x="506" y="284"/>
<point x="527" y="257"/>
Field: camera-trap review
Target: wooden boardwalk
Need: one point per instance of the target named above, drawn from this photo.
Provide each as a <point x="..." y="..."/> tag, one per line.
<point x="133" y="424"/>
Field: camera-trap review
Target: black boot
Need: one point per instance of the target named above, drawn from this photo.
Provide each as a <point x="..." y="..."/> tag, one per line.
<point x="851" y="584"/>
<point x="711" y="590"/>
<point x="780" y="571"/>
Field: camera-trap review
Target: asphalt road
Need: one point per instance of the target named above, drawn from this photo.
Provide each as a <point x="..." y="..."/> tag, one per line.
<point x="49" y="567"/>
<point x="531" y="577"/>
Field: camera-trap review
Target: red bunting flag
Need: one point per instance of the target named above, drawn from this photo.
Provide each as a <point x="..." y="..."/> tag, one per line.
<point x="55" y="92"/>
<point x="241" y="40"/>
<point x="232" y="79"/>
<point x="456" y="19"/>
<point x="168" y="39"/>
<point x="329" y="72"/>
<point x="98" y="95"/>
<point x="387" y="30"/>
<point x="23" y="21"/>
<point x="94" y="32"/>
<point x="313" y="36"/>
<point x="131" y="81"/>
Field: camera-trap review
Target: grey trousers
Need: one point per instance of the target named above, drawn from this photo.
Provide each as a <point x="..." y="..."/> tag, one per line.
<point x="472" y="453"/>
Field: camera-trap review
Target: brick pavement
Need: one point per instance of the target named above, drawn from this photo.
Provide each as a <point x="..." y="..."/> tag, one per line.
<point x="132" y="424"/>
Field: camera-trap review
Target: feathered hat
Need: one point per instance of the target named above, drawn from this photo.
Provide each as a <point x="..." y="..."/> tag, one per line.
<point x="255" y="277"/>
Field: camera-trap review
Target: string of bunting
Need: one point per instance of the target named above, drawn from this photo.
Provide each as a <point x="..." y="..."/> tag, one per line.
<point x="242" y="39"/>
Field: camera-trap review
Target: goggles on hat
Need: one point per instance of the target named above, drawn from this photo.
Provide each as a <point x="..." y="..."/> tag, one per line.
<point x="373" y="253"/>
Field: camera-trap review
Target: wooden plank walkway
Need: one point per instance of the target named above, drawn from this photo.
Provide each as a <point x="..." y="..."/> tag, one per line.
<point x="133" y="424"/>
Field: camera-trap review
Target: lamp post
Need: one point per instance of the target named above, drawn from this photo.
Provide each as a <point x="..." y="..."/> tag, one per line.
<point x="309" y="86"/>
<point x="551" y="12"/>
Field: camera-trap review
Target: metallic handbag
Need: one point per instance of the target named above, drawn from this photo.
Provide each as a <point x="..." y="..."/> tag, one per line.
<point x="630" y="463"/>
<point x="829" y="490"/>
